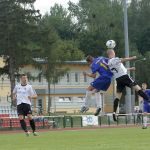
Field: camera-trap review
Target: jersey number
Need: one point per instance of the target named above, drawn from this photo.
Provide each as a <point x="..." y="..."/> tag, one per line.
<point x="114" y="70"/>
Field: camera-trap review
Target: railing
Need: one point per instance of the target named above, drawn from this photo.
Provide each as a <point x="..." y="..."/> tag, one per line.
<point x="74" y="121"/>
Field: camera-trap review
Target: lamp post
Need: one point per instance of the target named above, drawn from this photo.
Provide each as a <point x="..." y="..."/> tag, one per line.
<point x="133" y="93"/>
<point x="128" y="102"/>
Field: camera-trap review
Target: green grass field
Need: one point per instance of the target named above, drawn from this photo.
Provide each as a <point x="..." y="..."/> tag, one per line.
<point x="95" y="139"/>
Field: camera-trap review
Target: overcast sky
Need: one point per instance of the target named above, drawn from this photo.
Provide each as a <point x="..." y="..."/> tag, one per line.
<point x="44" y="5"/>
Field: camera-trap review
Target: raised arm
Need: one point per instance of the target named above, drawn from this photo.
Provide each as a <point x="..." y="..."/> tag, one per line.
<point x="131" y="69"/>
<point x="32" y="97"/>
<point x="128" y="59"/>
<point x="92" y="75"/>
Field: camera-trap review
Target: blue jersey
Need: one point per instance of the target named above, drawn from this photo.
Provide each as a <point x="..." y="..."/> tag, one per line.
<point x="100" y="65"/>
<point x="147" y="92"/>
<point x="146" y="106"/>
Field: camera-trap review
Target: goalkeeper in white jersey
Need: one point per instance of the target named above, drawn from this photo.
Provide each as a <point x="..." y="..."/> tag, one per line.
<point x="122" y="78"/>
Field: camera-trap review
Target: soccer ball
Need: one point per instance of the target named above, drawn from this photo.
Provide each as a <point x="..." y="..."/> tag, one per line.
<point x="110" y="44"/>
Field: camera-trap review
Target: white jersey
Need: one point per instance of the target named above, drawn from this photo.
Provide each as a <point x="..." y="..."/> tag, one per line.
<point x="117" y="67"/>
<point x="22" y="93"/>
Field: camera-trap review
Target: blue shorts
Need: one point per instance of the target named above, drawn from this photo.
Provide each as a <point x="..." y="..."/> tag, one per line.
<point x="101" y="83"/>
<point x="146" y="107"/>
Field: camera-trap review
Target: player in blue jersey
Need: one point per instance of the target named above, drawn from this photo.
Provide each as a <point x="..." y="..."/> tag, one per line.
<point x="146" y="105"/>
<point x="101" y="83"/>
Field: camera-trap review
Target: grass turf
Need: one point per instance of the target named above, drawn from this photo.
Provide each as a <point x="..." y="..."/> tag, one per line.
<point x="96" y="139"/>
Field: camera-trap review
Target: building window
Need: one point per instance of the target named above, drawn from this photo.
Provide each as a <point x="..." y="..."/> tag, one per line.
<point x="32" y="102"/>
<point x="40" y="77"/>
<point x="76" y="77"/>
<point x="61" y="99"/>
<point x="64" y="99"/>
<point x="85" y="78"/>
<point x="80" y="99"/>
<point x="68" y="77"/>
<point x="39" y="103"/>
<point x="39" y="106"/>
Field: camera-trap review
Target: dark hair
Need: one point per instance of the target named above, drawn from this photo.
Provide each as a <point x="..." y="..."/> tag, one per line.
<point x="89" y="58"/>
<point x="21" y="75"/>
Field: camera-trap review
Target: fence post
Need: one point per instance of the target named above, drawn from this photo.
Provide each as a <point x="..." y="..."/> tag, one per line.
<point x="71" y="121"/>
<point x="142" y="118"/>
<point x="43" y="122"/>
<point x="126" y="120"/>
<point x="81" y="122"/>
<point x="134" y="119"/>
<point x="99" y="120"/>
<point x="117" y="120"/>
<point x="64" y="123"/>
<point x="108" y="120"/>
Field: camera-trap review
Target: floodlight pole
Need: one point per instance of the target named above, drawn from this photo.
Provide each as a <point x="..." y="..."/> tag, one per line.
<point x="128" y="102"/>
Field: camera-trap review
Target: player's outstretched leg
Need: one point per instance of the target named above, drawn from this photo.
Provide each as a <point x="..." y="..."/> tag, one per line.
<point x="85" y="107"/>
<point x="97" y="111"/>
<point x="143" y="95"/>
<point x="98" y="103"/>
<point x="116" y="103"/>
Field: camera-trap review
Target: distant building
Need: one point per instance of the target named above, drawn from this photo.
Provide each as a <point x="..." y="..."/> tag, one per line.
<point x="67" y="95"/>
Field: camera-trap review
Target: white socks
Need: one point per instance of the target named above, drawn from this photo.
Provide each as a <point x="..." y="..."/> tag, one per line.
<point x="98" y="100"/>
<point x="145" y="121"/>
<point x="87" y="97"/>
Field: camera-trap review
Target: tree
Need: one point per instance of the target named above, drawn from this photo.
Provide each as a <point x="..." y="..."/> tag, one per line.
<point x="50" y="45"/>
<point x="97" y="22"/>
<point x="54" y="52"/>
<point x="139" y="11"/>
<point x="18" y="27"/>
<point x="61" y="20"/>
<point x="143" y="71"/>
<point x="57" y="44"/>
<point x="143" y="43"/>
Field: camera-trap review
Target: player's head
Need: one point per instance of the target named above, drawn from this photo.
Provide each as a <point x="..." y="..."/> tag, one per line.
<point x="144" y="86"/>
<point x="111" y="53"/>
<point x="89" y="59"/>
<point x="24" y="79"/>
